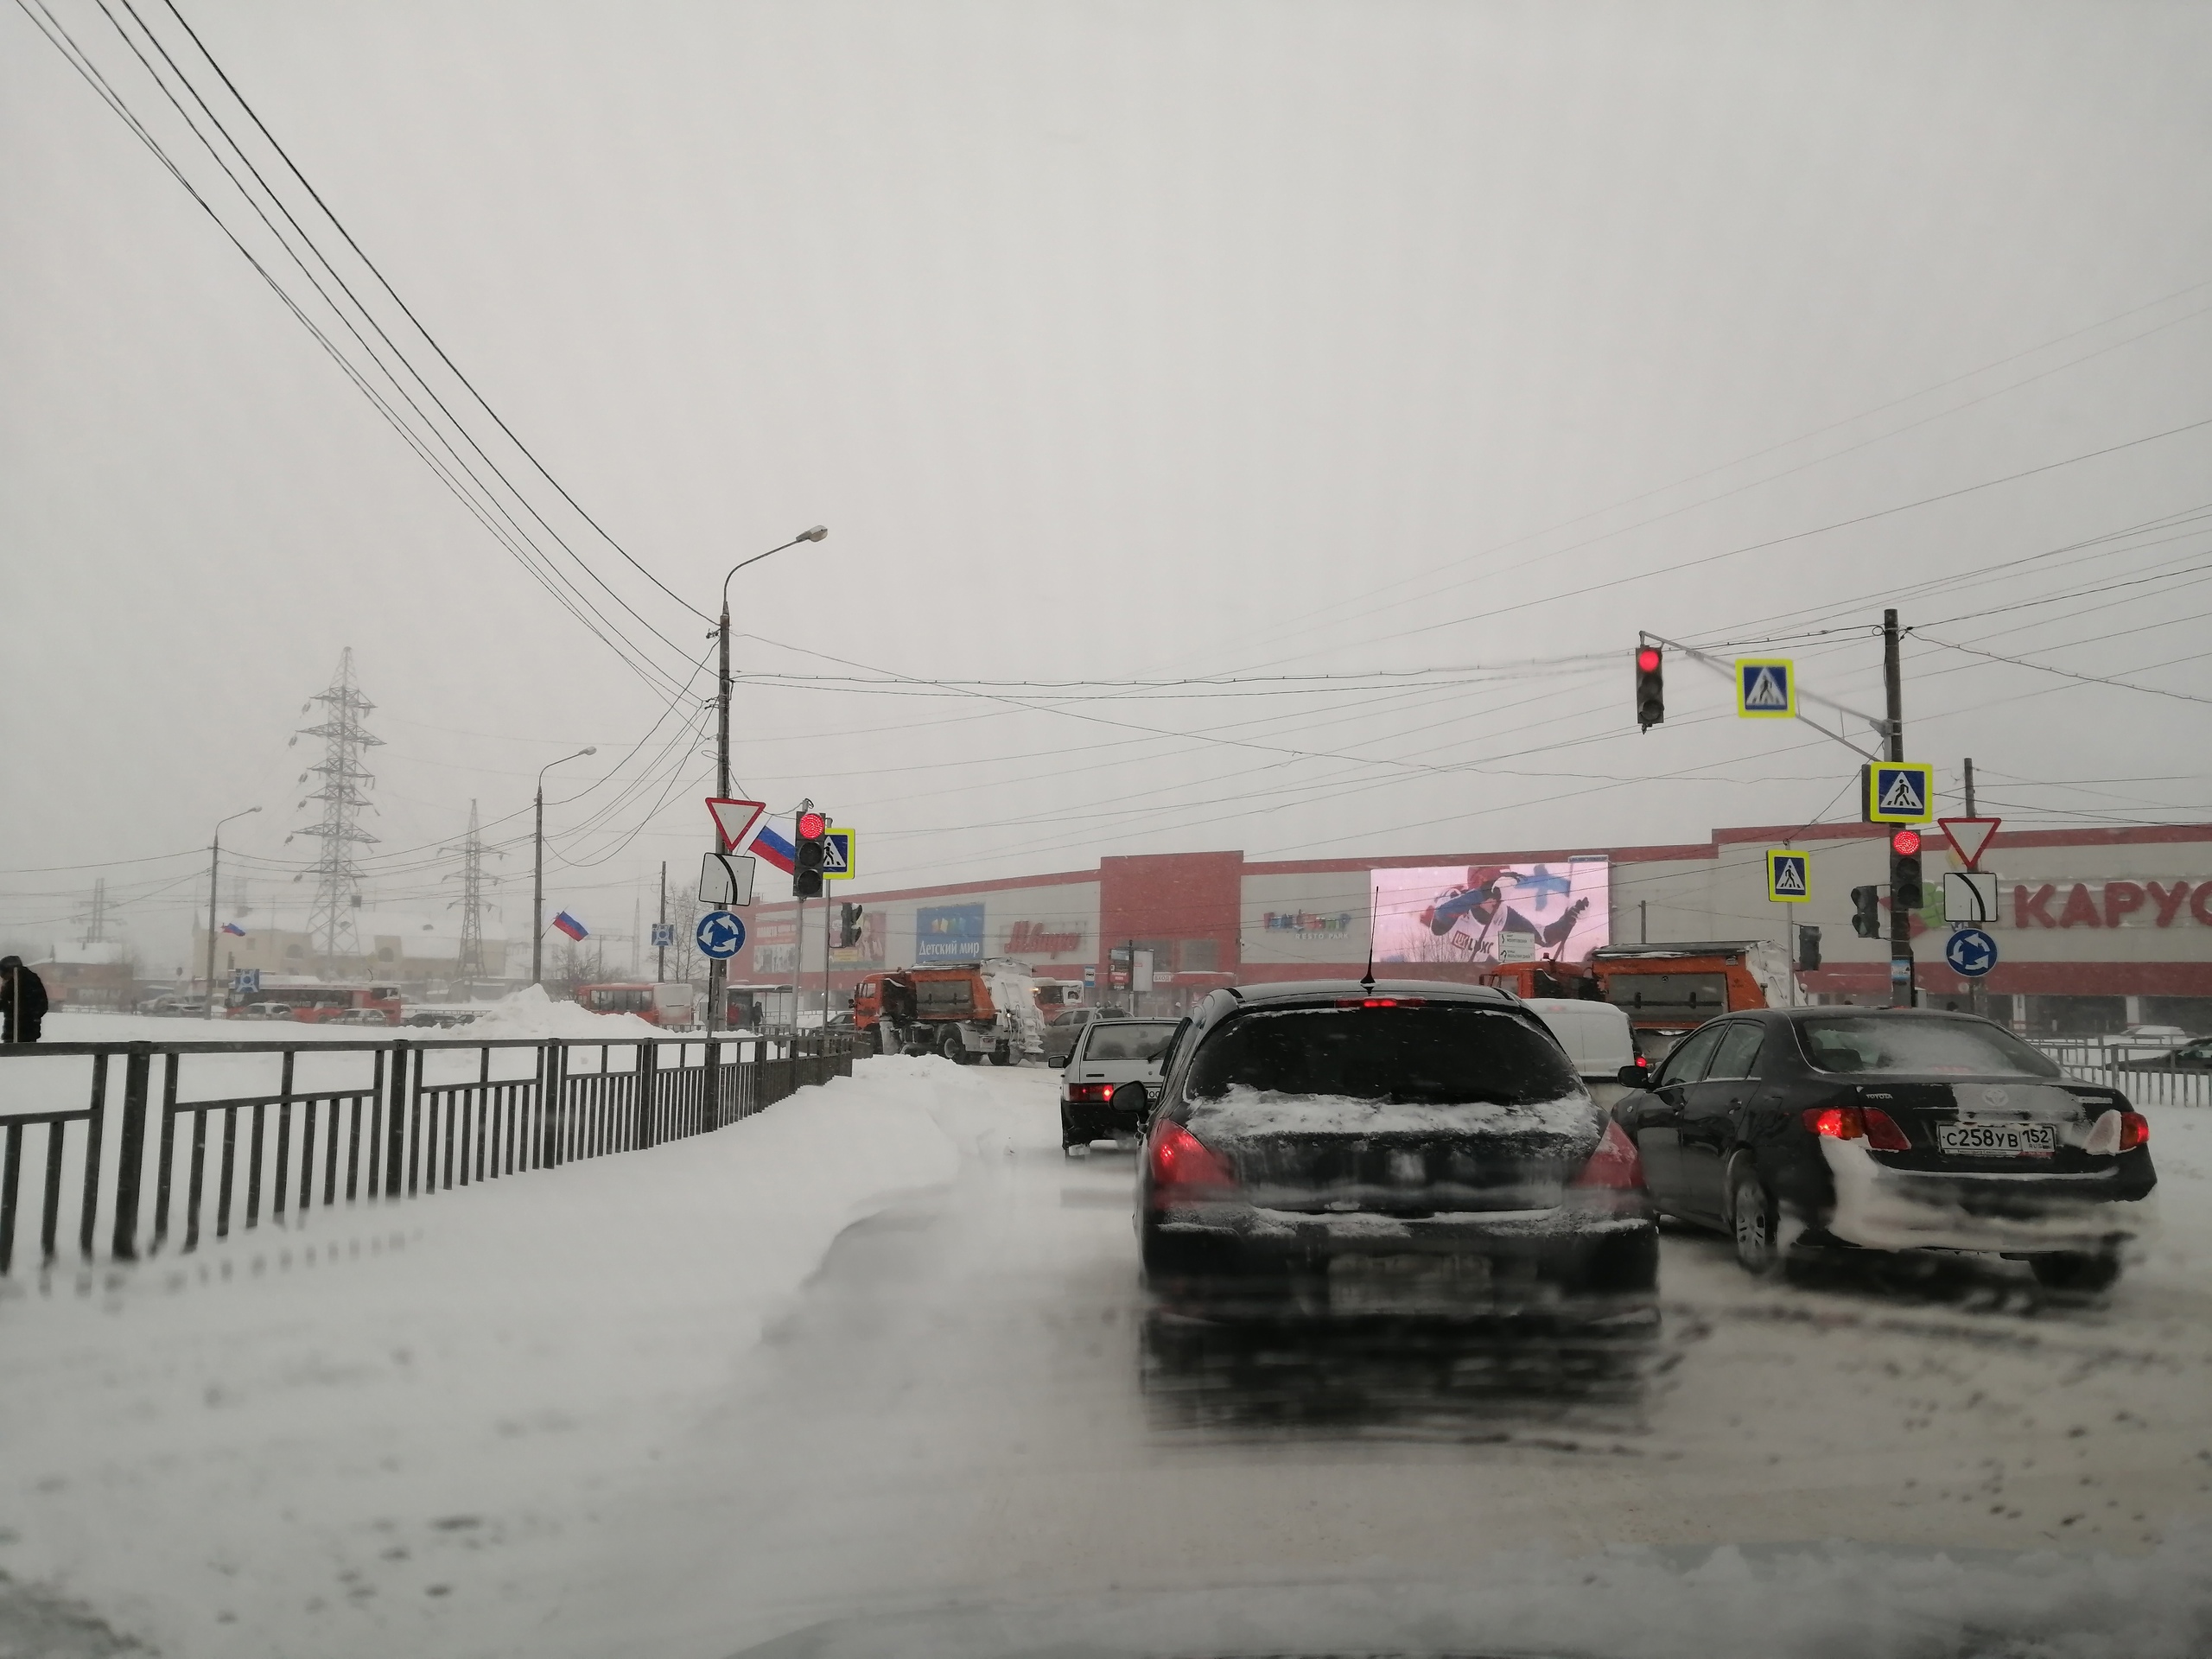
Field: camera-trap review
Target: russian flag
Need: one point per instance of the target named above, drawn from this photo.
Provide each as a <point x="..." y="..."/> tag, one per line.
<point x="234" y="929"/>
<point x="570" y="925"/>
<point x="773" y="847"/>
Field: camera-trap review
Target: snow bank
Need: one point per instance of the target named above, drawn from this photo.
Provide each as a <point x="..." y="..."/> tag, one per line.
<point x="529" y="1013"/>
<point x="210" y="1449"/>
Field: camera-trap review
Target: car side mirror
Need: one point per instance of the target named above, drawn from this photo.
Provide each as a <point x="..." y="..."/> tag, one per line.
<point x="1058" y="1062"/>
<point x="1634" y="1077"/>
<point x="1133" y="1098"/>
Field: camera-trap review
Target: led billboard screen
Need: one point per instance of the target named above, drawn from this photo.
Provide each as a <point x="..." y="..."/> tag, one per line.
<point x="1561" y="909"/>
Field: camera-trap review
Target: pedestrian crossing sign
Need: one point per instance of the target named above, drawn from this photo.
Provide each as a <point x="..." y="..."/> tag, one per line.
<point x="1897" y="791"/>
<point x="1766" y="688"/>
<point x="1789" y="875"/>
<point x="837" y="856"/>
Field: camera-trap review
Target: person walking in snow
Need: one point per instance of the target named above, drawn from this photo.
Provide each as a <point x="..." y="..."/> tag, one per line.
<point x="23" y="1001"/>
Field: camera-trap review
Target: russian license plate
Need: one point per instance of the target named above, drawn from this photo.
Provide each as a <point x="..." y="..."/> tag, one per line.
<point x="1391" y="1284"/>
<point x="1969" y="1138"/>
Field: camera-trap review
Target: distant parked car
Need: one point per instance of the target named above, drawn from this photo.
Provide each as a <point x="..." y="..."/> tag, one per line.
<point x="266" y="1010"/>
<point x="2150" y="1037"/>
<point x="1062" y="1032"/>
<point x="2190" y="1057"/>
<point x="360" y="1017"/>
<point x="172" y="1005"/>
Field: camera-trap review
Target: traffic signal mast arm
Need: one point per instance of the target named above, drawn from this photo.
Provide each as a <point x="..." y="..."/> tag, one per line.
<point x="1726" y="668"/>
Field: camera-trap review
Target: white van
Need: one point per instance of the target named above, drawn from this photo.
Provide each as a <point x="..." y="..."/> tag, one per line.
<point x="1596" y="1037"/>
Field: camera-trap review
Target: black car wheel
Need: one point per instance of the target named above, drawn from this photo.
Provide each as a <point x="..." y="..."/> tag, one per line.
<point x="1002" y="1055"/>
<point x="1753" y="1220"/>
<point x="2076" y="1270"/>
<point x="953" y="1049"/>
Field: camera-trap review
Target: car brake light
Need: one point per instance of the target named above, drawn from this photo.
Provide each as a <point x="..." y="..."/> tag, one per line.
<point x="1615" y="1164"/>
<point x="1381" y="1002"/>
<point x="2134" y="1131"/>
<point x="1836" y="1123"/>
<point x="1181" y="1159"/>
<point x="1090" y="1094"/>
<point x="1871" y="1124"/>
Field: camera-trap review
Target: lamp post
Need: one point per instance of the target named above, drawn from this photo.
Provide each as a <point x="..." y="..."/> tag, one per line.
<point x="537" y="871"/>
<point x="718" y="971"/>
<point x="214" y="864"/>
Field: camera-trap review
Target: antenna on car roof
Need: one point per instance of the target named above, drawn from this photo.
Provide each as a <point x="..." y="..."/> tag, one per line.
<point x="1367" y="979"/>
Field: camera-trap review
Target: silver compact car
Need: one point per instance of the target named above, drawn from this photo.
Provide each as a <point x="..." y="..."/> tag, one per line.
<point x="1112" y="1079"/>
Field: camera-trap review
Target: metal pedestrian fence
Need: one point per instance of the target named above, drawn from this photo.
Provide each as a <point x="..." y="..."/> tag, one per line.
<point x="128" y="1149"/>
<point x="2148" y="1076"/>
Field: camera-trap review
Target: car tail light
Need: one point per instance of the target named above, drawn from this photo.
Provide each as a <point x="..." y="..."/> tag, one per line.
<point x="1182" y="1164"/>
<point x="1090" y="1094"/>
<point x="1836" y="1123"/>
<point x="1870" y="1123"/>
<point x="2134" y="1131"/>
<point x="1615" y="1164"/>
<point x="1381" y="1002"/>
<point x="1882" y="1132"/>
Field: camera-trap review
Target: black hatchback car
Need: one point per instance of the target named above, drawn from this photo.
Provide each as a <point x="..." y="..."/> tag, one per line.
<point x="1891" y="1129"/>
<point x="1327" y="1149"/>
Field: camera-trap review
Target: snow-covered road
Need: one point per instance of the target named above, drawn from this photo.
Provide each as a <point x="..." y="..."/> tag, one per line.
<point x="881" y="1346"/>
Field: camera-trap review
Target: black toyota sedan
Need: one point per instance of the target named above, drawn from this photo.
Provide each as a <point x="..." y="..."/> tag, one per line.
<point x="1891" y="1129"/>
<point x="1347" y="1149"/>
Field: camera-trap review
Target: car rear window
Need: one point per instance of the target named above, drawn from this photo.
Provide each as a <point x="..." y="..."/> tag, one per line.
<point x="1901" y="1044"/>
<point x="1437" y="1054"/>
<point x="1130" y="1042"/>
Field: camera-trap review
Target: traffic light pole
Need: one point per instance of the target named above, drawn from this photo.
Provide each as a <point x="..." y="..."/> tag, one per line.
<point x="1902" y="992"/>
<point x="717" y="971"/>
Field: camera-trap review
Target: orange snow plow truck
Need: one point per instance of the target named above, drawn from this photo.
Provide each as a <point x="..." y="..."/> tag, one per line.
<point x="1666" y="990"/>
<point x="967" y="1014"/>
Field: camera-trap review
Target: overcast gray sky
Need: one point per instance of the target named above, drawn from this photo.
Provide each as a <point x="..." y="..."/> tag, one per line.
<point x="1114" y="343"/>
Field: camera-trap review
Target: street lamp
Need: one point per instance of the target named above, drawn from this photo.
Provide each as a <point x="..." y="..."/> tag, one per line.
<point x="716" y="970"/>
<point x="537" y="870"/>
<point x="215" y="863"/>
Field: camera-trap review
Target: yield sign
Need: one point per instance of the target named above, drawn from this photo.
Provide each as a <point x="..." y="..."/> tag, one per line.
<point x="735" y="819"/>
<point x="1970" y="837"/>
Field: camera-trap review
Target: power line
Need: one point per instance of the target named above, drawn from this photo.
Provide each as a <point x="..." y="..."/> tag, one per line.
<point x="481" y="402"/>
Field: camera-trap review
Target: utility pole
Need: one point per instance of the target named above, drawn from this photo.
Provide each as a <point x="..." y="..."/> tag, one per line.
<point x="660" y="951"/>
<point x="717" y="971"/>
<point x="825" y="953"/>
<point x="1902" y="994"/>
<point x="537" y="870"/>
<point x="1973" y="986"/>
<point x="214" y="868"/>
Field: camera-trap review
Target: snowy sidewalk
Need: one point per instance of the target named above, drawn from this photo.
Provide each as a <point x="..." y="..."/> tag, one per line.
<point x="294" y="1444"/>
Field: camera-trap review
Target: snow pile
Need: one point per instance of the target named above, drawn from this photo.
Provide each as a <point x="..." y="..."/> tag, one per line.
<point x="221" y="1452"/>
<point x="529" y="1013"/>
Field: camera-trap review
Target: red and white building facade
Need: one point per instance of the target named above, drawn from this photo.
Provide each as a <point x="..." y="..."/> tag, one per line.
<point x="2099" y="928"/>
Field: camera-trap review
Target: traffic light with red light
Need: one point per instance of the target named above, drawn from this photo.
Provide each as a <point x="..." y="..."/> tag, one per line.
<point x="1905" y="870"/>
<point x="808" y="851"/>
<point x="1651" y="687"/>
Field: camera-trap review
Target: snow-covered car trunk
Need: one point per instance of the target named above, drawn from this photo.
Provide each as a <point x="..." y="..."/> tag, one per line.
<point x="1320" y="1152"/>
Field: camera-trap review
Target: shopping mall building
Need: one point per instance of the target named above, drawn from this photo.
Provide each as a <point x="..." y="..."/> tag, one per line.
<point x="2099" y="929"/>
